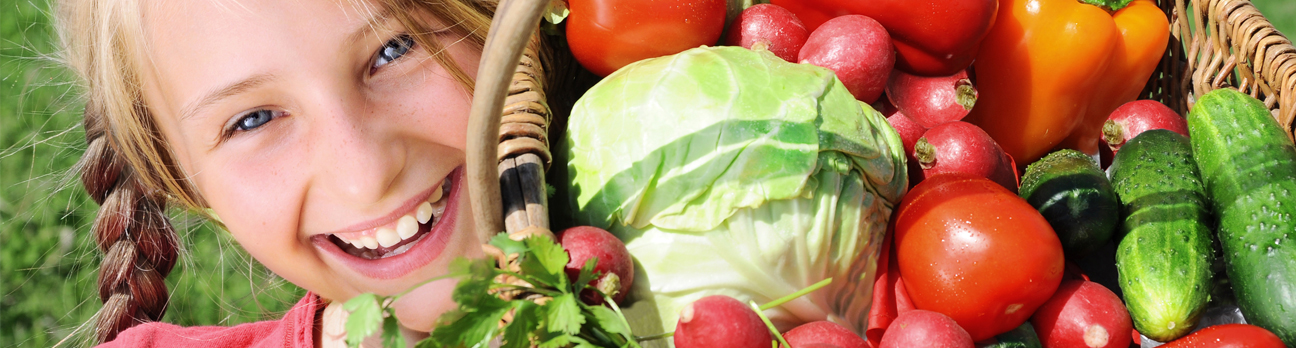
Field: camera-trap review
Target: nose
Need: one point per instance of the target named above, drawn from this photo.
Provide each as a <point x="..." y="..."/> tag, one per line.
<point x="357" y="160"/>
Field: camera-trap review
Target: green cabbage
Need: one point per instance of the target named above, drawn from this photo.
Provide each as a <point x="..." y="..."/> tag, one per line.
<point x="729" y="171"/>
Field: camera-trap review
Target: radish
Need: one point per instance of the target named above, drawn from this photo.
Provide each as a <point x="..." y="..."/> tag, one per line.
<point x="1083" y="314"/>
<point x="910" y="132"/>
<point x="884" y="106"/>
<point x="824" y="332"/>
<point x="858" y="49"/>
<point x="770" y="26"/>
<point x="614" y="264"/>
<point x="1133" y="118"/>
<point x="921" y="328"/>
<point x="932" y="100"/>
<point x="964" y="148"/>
<point x="720" y="321"/>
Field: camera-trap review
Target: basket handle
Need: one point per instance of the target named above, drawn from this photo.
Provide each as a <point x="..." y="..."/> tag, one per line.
<point x="510" y="31"/>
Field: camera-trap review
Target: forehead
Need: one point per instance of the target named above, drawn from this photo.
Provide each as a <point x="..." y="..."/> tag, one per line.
<point x="191" y="45"/>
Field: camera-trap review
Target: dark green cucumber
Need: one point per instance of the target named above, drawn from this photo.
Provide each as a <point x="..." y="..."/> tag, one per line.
<point x="1023" y="336"/>
<point x="1249" y="166"/>
<point x="1075" y="197"/>
<point x="1164" y="260"/>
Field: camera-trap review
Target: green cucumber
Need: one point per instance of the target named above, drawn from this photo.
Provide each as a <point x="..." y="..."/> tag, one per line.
<point x="1249" y="166"/>
<point x="1164" y="260"/>
<point x="1023" y="336"/>
<point x="1073" y="194"/>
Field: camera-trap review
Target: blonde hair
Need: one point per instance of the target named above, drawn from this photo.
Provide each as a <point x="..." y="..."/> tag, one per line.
<point x="127" y="167"/>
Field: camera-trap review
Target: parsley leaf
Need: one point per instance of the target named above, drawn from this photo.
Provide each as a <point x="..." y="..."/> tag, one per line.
<point x="564" y="314"/>
<point x="526" y="319"/>
<point x="586" y="275"/>
<point x="366" y="315"/>
<point x="475" y="326"/>
<point x="391" y="330"/>
<point x="544" y="263"/>
<point x="508" y="245"/>
<point x="472" y="291"/>
<point x="608" y="320"/>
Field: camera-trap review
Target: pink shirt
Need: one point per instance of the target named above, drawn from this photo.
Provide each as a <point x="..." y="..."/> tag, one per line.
<point x="295" y="330"/>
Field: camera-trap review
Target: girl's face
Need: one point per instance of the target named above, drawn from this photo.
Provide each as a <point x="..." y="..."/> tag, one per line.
<point x="323" y="138"/>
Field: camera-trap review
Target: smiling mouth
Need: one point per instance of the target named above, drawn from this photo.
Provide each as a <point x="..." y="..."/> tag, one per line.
<point x="388" y="241"/>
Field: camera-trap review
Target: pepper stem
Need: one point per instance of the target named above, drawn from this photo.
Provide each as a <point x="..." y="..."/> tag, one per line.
<point x="1109" y="5"/>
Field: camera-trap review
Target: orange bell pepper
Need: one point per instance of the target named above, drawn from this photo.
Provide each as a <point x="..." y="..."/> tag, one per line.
<point x="1051" y="71"/>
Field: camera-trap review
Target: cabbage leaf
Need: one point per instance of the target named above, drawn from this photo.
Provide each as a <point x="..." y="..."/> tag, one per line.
<point x="730" y="171"/>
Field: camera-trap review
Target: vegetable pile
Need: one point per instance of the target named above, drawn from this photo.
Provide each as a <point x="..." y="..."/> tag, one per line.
<point x="888" y="173"/>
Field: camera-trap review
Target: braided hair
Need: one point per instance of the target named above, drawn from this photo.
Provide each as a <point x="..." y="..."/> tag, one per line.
<point x="132" y="230"/>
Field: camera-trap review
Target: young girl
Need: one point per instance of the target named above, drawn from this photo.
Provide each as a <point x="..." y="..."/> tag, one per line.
<point x="327" y="136"/>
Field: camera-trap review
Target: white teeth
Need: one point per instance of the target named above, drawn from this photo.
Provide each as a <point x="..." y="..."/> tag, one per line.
<point x="369" y="242"/>
<point x="437" y="193"/>
<point x="406" y="227"/>
<point x="423" y="214"/>
<point x="438" y="208"/>
<point x="387" y="237"/>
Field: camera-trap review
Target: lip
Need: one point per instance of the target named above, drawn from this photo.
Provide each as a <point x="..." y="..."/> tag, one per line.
<point x="426" y="249"/>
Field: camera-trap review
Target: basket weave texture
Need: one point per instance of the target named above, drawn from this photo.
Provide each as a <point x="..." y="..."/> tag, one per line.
<point x="1225" y="43"/>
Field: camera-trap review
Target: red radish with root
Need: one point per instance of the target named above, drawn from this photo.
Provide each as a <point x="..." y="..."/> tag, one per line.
<point x="771" y="27"/>
<point x="1083" y="314"/>
<point x="921" y="328"/>
<point x="614" y="263"/>
<point x="1134" y="118"/>
<point x="720" y="321"/>
<point x="858" y="49"/>
<point x="964" y="148"/>
<point x="932" y="100"/>
<point x="823" y="332"/>
<point x="910" y="132"/>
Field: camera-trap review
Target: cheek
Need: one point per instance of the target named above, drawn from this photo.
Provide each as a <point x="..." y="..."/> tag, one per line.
<point x="437" y="109"/>
<point x="257" y="203"/>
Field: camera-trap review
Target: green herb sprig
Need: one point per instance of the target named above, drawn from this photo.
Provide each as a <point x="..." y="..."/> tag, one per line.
<point x="561" y="320"/>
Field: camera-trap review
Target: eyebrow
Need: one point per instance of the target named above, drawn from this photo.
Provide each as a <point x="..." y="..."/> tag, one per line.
<point x="372" y="25"/>
<point x="225" y="92"/>
<point x="254" y="81"/>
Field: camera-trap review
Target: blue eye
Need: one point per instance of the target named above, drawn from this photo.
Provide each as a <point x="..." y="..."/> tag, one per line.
<point x="253" y="119"/>
<point x="393" y="50"/>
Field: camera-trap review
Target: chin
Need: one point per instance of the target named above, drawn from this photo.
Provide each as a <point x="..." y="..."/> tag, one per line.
<point x="419" y="309"/>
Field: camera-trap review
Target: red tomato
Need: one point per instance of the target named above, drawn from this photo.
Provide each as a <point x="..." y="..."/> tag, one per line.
<point x="605" y="35"/>
<point x="970" y="249"/>
<point x="1228" y="336"/>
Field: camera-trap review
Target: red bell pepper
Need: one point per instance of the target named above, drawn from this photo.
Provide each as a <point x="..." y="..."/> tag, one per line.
<point x="932" y="37"/>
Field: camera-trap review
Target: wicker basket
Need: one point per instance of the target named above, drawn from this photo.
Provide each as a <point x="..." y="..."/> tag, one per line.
<point x="1228" y="43"/>
<point x="1225" y="43"/>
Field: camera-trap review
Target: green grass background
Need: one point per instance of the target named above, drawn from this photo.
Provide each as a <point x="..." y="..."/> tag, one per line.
<point x="48" y="262"/>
